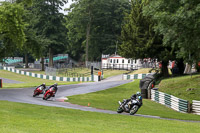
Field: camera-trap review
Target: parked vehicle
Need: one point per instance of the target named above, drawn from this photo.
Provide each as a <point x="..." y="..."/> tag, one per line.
<point x="131" y="106"/>
<point x="38" y="91"/>
<point x="49" y="93"/>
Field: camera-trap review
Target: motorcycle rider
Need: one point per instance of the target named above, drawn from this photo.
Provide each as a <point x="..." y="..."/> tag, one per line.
<point x="54" y="86"/>
<point x="43" y="87"/>
<point x="137" y="97"/>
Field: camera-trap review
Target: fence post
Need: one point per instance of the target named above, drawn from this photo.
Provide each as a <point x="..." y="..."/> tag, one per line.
<point x="189" y="107"/>
<point x="92" y="70"/>
<point x="1" y="83"/>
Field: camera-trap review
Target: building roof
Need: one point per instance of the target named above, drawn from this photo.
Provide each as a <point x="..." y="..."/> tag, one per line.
<point x="111" y="56"/>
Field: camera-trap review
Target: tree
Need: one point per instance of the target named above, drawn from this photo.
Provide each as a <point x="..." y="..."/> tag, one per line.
<point x="48" y="23"/>
<point x="178" y="23"/>
<point x="94" y="27"/>
<point x="139" y="39"/>
<point x="12" y="27"/>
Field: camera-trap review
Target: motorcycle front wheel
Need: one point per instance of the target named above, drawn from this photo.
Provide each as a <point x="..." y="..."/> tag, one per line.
<point x="35" y="93"/>
<point x="120" y="110"/>
<point x="134" y="109"/>
<point x="47" y="97"/>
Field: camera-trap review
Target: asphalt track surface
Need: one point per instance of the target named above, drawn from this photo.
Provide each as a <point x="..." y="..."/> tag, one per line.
<point x="10" y="81"/>
<point x="25" y="95"/>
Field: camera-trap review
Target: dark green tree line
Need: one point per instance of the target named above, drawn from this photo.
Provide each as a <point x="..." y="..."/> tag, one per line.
<point x="139" y="40"/>
<point x="178" y="23"/>
<point x="12" y="27"/>
<point x="48" y="24"/>
<point x="94" y="27"/>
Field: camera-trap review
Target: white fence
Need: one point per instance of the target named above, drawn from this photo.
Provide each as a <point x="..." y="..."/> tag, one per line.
<point x="170" y="101"/>
<point x="36" y="75"/>
<point x="196" y="107"/>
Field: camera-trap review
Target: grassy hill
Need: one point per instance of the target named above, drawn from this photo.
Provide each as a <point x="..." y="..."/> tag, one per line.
<point x="185" y="87"/>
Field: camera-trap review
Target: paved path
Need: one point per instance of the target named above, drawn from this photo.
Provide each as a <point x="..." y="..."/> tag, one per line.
<point x="24" y="95"/>
<point x="4" y="80"/>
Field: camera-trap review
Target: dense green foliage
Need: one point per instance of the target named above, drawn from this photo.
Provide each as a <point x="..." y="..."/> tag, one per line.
<point x="139" y="39"/>
<point x="108" y="99"/>
<point x="48" y="24"/>
<point x="12" y="27"/>
<point x="137" y="34"/>
<point x="96" y="23"/>
<point x="93" y="27"/>
<point x="44" y="31"/>
<point x="178" y="22"/>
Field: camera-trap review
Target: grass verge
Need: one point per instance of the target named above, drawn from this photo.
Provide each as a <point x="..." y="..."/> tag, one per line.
<point x="141" y="71"/>
<point x="110" y="73"/>
<point x="146" y="70"/>
<point x="23" y="118"/>
<point x="28" y="81"/>
<point x="107" y="73"/>
<point x="185" y="87"/>
<point x="108" y="99"/>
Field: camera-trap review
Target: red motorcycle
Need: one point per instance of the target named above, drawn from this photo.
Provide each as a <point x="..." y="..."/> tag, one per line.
<point x="49" y="93"/>
<point x="38" y="91"/>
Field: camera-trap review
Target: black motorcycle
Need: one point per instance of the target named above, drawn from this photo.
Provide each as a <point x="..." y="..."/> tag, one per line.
<point x="131" y="106"/>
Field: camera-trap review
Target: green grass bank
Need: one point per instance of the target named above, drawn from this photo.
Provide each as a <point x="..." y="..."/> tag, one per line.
<point x="27" y="81"/>
<point x="108" y="99"/>
<point x="27" y="118"/>
<point x="86" y="71"/>
<point x="185" y="87"/>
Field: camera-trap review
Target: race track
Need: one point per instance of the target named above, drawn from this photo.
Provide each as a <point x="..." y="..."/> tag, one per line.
<point x="25" y="95"/>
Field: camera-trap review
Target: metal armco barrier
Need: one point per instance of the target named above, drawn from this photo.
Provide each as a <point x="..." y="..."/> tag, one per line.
<point x="69" y="79"/>
<point x="196" y="107"/>
<point x="170" y="101"/>
<point x="135" y="76"/>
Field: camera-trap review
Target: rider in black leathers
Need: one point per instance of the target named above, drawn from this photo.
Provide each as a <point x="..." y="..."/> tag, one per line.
<point x="134" y="97"/>
<point x="55" y="87"/>
<point x="43" y="87"/>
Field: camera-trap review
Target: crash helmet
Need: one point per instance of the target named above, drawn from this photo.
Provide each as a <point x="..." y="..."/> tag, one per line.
<point x="138" y="93"/>
<point x="55" y="84"/>
<point x="43" y="84"/>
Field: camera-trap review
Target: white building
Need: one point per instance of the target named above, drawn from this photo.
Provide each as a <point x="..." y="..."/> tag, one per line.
<point x="118" y="62"/>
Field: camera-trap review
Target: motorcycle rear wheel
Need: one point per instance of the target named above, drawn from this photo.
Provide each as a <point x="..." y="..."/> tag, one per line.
<point x="134" y="109"/>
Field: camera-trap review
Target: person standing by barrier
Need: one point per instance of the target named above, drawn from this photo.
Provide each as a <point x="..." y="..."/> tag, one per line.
<point x="99" y="76"/>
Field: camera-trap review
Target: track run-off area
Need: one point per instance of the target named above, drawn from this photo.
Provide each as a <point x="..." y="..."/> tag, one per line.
<point x="25" y="95"/>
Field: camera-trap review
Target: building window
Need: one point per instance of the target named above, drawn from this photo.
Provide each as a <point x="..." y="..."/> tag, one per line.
<point x="110" y="60"/>
<point x="114" y="61"/>
<point x="117" y="61"/>
<point x="128" y="61"/>
<point x="123" y="61"/>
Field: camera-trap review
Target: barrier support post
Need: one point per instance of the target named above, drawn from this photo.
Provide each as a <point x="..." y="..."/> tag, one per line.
<point x="189" y="107"/>
<point x="1" y="83"/>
